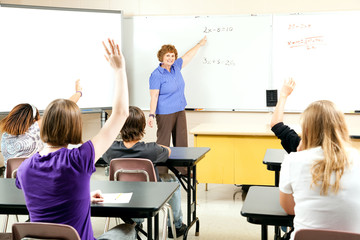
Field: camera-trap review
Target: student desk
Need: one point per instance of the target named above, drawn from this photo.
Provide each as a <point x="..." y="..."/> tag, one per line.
<point x="236" y="155"/>
<point x="188" y="157"/>
<point x="147" y="200"/>
<point x="262" y="206"/>
<point x="273" y="159"/>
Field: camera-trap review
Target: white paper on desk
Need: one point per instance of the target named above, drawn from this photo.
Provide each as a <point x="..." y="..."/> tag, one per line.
<point x="117" y="197"/>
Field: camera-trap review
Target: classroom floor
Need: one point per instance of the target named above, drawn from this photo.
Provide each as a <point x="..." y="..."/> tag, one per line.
<point x="218" y="211"/>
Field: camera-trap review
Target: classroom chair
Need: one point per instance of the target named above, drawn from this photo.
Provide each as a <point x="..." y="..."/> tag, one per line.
<point x="12" y="166"/>
<point x="138" y="169"/>
<point x="325" y="234"/>
<point x="11" y="169"/>
<point x="44" y="231"/>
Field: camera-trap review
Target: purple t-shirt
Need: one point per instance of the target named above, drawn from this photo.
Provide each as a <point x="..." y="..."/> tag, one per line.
<point x="171" y="87"/>
<point x="57" y="187"/>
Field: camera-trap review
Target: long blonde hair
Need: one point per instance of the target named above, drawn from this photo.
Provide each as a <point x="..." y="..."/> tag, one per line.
<point x="324" y="125"/>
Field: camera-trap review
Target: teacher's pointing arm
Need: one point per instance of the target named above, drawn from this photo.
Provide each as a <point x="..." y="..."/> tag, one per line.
<point x="192" y="52"/>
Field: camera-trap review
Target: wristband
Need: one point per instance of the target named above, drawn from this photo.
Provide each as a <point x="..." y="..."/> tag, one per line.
<point x="152" y="115"/>
<point x="80" y="93"/>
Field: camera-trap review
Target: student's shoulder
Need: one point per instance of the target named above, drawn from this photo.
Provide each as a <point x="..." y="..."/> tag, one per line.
<point x="150" y="144"/>
<point x="306" y="156"/>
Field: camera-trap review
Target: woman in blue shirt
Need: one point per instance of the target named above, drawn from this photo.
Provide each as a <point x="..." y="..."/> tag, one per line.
<point x="168" y="101"/>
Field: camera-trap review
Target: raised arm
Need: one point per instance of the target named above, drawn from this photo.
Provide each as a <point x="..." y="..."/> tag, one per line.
<point x="286" y="90"/>
<point x="78" y="92"/>
<point x="120" y="108"/>
<point x="154" y="96"/>
<point x="75" y="97"/>
<point x="192" y="52"/>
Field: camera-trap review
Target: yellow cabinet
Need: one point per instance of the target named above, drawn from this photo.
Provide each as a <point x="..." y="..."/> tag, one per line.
<point x="236" y="155"/>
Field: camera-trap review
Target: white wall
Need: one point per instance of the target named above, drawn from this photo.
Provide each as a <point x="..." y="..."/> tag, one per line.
<point x="204" y="7"/>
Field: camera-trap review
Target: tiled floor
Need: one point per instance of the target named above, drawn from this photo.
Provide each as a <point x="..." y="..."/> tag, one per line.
<point x="218" y="211"/>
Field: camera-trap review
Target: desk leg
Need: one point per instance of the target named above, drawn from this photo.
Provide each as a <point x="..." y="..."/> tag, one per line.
<point x="191" y="203"/>
<point x="156" y="227"/>
<point x="277" y="178"/>
<point x="277" y="232"/>
<point x="149" y="228"/>
<point x="194" y="183"/>
<point x="264" y="232"/>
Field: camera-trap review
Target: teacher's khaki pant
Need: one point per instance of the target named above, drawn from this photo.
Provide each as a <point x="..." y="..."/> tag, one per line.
<point x="172" y="125"/>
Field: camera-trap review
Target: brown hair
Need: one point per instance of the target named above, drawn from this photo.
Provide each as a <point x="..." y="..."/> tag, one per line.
<point x="61" y="123"/>
<point x="20" y="118"/>
<point x="324" y="125"/>
<point x="166" y="49"/>
<point x="134" y="127"/>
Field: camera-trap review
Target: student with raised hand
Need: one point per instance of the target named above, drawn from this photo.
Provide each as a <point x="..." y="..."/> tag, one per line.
<point x="320" y="184"/>
<point x="289" y="138"/>
<point x="21" y="129"/>
<point x="56" y="181"/>
<point x="131" y="146"/>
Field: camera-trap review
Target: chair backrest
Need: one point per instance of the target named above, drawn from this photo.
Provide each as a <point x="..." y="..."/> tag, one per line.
<point x="132" y="170"/>
<point x="12" y="165"/>
<point x="44" y="231"/>
<point x="325" y="234"/>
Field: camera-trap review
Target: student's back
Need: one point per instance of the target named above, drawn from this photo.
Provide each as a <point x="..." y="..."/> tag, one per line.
<point x="320" y="183"/>
<point x="42" y="176"/>
<point x="339" y="211"/>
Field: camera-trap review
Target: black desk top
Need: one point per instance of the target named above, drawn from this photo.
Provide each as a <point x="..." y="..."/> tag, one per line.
<point x="273" y="158"/>
<point x="186" y="156"/>
<point x="146" y="201"/>
<point x="262" y="206"/>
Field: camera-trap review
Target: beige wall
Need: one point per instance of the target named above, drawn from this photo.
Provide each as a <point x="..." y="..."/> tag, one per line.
<point x="200" y="7"/>
<point x="205" y="7"/>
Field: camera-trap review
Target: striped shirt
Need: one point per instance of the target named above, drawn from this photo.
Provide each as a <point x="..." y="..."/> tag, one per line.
<point x="24" y="145"/>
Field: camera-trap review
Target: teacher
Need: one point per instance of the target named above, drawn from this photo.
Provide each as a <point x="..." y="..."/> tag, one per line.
<point x="167" y="95"/>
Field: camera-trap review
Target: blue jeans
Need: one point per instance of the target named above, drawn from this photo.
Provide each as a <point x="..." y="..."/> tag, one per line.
<point x="120" y="232"/>
<point x="175" y="200"/>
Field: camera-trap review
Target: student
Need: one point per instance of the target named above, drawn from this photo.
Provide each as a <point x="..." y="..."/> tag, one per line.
<point x="56" y="181"/>
<point x="131" y="147"/>
<point x="21" y="129"/>
<point x="289" y="138"/>
<point x="320" y="184"/>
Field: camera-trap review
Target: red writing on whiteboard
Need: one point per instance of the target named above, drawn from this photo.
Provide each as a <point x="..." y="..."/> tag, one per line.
<point x="308" y="43"/>
<point x="298" y="26"/>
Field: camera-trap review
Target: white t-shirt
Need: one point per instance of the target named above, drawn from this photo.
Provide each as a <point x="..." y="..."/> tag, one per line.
<point x="339" y="211"/>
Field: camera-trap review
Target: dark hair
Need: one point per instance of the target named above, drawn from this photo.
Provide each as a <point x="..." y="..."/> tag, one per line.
<point x="20" y="118"/>
<point x="134" y="127"/>
<point x="61" y="124"/>
<point x="166" y="49"/>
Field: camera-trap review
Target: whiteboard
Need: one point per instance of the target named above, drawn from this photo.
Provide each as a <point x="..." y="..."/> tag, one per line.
<point x="321" y="51"/>
<point x="232" y="71"/>
<point x="44" y="50"/>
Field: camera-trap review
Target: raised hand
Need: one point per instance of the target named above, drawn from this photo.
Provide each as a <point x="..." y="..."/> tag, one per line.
<point x="288" y="87"/>
<point x="114" y="56"/>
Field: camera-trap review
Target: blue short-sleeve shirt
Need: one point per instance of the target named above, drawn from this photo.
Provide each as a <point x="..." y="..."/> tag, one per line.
<point x="171" y="87"/>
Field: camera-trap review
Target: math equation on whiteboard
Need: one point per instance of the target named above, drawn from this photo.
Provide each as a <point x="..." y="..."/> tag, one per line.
<point x="226" y="62"/>
<point x="218" y="29"/>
